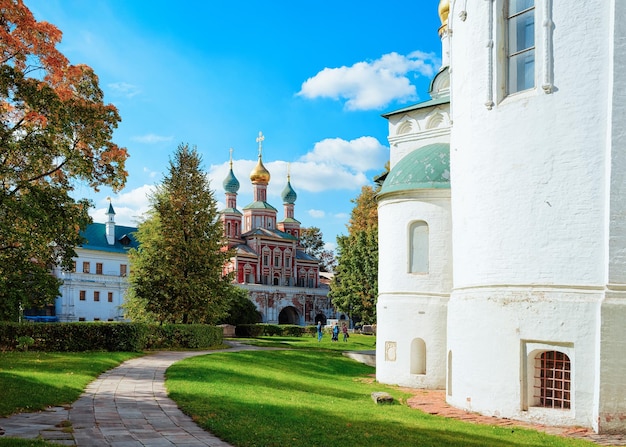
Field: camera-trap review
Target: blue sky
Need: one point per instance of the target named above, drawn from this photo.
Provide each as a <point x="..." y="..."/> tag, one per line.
<point x="314" y="77"/>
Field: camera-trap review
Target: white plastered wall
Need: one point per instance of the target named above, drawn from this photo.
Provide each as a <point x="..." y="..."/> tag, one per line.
<point x="529" y="205"/>
<point x="412" y="307"/>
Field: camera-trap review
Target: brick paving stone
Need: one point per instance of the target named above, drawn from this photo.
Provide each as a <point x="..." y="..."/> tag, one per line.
<point x="434" y="402"/>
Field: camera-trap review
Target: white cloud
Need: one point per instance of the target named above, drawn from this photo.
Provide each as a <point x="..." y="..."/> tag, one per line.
<point x="151" y="138"/>
<point x="129" y="207"/>
<point x="124" y="89"/>
<point x="333" y="164"/>
<point x="317" y="214"/>
<point x="361" y="154"/>
<point x="150" y="173"/>
<point x="373" y="84"/>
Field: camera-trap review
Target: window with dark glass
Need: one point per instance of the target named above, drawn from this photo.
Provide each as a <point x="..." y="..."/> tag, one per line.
<point x="520" y="29"/>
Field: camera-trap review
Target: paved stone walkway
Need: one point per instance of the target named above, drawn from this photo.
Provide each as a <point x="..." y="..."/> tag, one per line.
<point x="128" y="407"/>
<point x="124" y="407"/>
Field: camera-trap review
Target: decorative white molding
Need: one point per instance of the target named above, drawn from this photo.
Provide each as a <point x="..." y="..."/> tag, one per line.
<point x="548" y="25"/>
<point x="489" y="101"/>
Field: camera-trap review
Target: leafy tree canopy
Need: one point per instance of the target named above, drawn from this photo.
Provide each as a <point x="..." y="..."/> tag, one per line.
<point x="176" y="273"/>
<point x="312" y="242"/>
<point x="354" y="288"/>
<point x="55" y="131"/>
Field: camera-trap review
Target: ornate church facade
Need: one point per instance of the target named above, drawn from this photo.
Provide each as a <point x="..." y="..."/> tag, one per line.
<point x="282" y="280"/>
<point x="502" y="245"/>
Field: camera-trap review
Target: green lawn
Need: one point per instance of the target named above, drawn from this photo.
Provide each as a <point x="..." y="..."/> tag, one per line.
<point x="317" y="397"/>
<point x="31" y="381"/>
<point x="308" y="396"/>
<point x="356" y="342"/>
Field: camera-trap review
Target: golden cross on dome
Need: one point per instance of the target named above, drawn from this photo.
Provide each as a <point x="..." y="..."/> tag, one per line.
<point x="231" y="156"/>
<point x="288" y="171"/>
<point x="259" y="140"/>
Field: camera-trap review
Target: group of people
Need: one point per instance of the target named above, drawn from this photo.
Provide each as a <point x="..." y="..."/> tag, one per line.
<point x="335" y="332"/>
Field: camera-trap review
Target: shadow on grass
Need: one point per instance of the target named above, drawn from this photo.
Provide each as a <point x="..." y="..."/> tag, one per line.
<point x="273" y="370"/>
<point x="21" y="394"/>
<point x="307" y="398"/>
<point x="243" y="423"/>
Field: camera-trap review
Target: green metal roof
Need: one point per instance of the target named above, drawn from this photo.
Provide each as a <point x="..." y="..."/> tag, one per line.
<point x="230" y="210"/>
<point x="420" y="105"/>
<point x="96" y="239"/>
<point x="258" y="205"/>
<point x="425" y="168"/>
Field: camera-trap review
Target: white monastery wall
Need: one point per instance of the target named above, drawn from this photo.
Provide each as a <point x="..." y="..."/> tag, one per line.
<point x="490" y="360"/>
<point x="415" y="129"/>
<point x="412" y="307"/>
<point x="527" y="175"/>
<point x="396" y="214"/>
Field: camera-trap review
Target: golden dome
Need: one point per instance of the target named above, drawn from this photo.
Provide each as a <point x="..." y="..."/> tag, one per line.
<point x="444" y="10"/>
<point x="259" y="174"/>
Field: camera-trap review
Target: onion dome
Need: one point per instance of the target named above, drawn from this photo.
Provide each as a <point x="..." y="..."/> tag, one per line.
<point x="288" y="194"/>
<point x="259" y="174"/>
<point x="231" y="184"/>
<point x="443" y="10"/>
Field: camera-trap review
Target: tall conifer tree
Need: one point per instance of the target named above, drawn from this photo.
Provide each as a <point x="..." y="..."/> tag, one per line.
<point x="177" y="271"/>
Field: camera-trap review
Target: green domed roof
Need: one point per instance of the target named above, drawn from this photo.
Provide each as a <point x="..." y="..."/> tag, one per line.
<point x="231" y="184"/>
<point x="288" y="194"/>
<point x="424" y="168"/>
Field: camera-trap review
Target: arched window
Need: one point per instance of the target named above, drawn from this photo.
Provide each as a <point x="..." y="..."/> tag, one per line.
<point x="418" y="244"/>
<point x="552" y="381"/>
<point x="418" y="356"/>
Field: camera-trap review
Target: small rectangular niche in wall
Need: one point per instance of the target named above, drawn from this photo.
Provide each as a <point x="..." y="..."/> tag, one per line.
<point x="390" y="351"/>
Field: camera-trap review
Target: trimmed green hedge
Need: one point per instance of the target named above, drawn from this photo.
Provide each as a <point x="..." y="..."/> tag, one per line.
<point x="258" y="330"/>
<point x="129" y="337"/>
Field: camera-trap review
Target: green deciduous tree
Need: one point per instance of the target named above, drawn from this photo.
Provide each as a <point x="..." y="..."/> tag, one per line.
<point x="312" y="242"/>
<point x="354" y="288"/>
<point x="55" y="130"/>
<point x="176" y="273"/>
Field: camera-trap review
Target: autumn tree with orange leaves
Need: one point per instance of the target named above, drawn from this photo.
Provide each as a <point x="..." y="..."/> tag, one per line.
<point x="55" y="131"/>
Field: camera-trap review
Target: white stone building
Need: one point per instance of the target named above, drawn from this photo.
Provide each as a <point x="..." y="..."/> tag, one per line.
<point x="95" y="289"/>
<point x="502" y="222"/>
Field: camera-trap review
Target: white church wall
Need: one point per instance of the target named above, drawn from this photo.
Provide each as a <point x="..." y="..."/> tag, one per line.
<point x="412" y="307"/>
<point x="417" y="128"/>
<point x="402" y="319"/>
<point x="527" y="177"/>
<point x="492" y="363"/>
<point x="533" y="215"/>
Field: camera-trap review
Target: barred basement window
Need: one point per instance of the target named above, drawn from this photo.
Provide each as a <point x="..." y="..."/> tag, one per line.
<point x="553" y="380"/>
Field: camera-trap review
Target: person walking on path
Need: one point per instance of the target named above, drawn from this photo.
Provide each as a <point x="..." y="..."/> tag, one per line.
<point x="319" y="331"/>
<point x="335" y="332"/>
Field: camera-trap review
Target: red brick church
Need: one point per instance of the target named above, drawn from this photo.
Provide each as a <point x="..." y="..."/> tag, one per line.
<point x="282" y="280"/>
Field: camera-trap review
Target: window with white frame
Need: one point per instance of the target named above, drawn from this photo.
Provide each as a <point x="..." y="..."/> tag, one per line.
<point x="520" y="40"/>
<point x="418" y="250"/>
